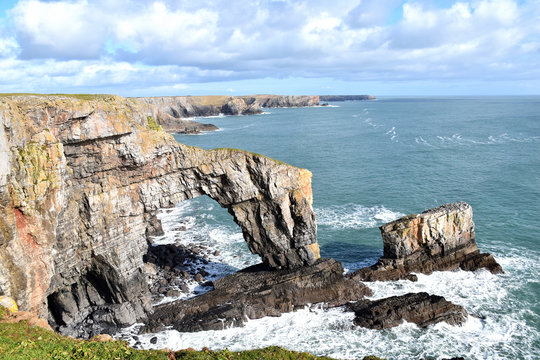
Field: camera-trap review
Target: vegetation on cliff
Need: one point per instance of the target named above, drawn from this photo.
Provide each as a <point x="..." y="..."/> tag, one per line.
<point x="20" y="340"/>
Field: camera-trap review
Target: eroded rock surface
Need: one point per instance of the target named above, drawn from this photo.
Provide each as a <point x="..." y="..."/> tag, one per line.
<point x="173" y="112"/>
<point x="256" y="292"/>
<point x="345" y="97"/>
<point x="81" y="183"/>
<point x="442" y="238"/>
<point x="419" y="308"/>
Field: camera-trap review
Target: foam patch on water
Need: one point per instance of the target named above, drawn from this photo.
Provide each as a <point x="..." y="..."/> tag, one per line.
<point x="458" y="139"/>
<point x="354" y="216"/>
<point x="194" y="222"/>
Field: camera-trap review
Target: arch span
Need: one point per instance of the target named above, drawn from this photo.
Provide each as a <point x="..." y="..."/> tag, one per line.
<point x="269" y="200"/>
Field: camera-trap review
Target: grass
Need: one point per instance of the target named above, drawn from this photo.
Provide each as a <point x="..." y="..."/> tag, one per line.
<point x="153" y="124"/>
<point x="20" y="341"/>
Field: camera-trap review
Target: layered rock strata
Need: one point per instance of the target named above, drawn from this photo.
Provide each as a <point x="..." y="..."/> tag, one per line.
<point x="81" y="181"/>
<point x="419" y="308"/>
<point x="173" y="112"/>
<point x="442" y="238"/>
<point x="256" y="292"/>
<point x="345" y="97"/>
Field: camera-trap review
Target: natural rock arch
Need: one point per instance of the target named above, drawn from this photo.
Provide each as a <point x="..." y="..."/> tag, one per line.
<point x="269" y="200"/>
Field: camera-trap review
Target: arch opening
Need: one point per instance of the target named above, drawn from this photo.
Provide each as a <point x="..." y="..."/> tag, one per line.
<point x="200" y="243"/>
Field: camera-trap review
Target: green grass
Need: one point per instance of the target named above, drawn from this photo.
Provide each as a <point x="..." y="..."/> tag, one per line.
<point x="75" y="96"/>
<point x="153" y="124"/>
<point x="20" y="341"/>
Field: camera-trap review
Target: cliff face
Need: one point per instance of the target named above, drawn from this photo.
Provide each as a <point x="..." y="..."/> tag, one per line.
<point x="80" y="184"/>
<point x="346" y="97"/>
<point x="172" y="112"/>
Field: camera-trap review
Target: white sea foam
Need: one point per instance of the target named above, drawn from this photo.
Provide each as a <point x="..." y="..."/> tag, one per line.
<point x="209" y="117"/>
<point x="354" y="216"/>
<point x="494" y="330"/>
<point x="497" y="327"/>
<point x="194" y="222"/>
<point x="458" y="139"/>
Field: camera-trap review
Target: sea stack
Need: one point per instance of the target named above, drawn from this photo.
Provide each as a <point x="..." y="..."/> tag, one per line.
<point x="442" y="238"/>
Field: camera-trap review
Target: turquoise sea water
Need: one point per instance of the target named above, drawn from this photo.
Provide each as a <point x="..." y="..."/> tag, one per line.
<point x="373" y="162"/>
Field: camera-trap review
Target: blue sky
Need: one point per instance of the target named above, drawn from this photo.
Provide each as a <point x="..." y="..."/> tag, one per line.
<point x="181" y="47"/>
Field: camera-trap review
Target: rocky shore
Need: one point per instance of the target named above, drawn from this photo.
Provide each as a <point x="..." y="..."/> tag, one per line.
<point x="82" y="181"/>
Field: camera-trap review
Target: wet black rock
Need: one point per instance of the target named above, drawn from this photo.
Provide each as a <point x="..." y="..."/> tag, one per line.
<point x="419" y="308"/>
<point x="256" y="292"/>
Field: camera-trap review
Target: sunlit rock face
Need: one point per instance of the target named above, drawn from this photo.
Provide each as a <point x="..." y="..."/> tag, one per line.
<point x="82" y="180"/>
<point x="442" y="238"/>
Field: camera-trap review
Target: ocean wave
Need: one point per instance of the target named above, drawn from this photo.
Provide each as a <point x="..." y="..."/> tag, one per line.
<point x="497" y="327"/>
<point x="195" y="222"/>
<point x="355" y="216"/>
<point x="458" y="139"/>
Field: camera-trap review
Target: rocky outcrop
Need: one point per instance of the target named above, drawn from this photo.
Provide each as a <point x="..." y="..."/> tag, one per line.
<point x="442" y="238"/>
<point x="419" y="308"/>
<point x="173" y="112"/>
<point x="346" y="97"/>
<point x="276" y="101"/>
<point x="81" y="182"/>
<point x="256" y="292"/>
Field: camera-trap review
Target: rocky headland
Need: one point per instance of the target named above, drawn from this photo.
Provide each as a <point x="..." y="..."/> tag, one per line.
<point x="346" y="97"/>
<point x="175" y="113"/>
<point x="81" y="182"/>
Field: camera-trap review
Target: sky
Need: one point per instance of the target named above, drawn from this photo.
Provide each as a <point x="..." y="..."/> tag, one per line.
<point x="315" y="47"/>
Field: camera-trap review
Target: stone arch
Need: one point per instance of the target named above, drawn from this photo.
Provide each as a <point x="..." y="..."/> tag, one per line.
<point x="271" y="201"/>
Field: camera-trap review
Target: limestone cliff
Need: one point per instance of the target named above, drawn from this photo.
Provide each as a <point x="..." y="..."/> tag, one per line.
<point x="80" y="183"/>
<point x="346" y="97"/>
<point x="173" y="113"/>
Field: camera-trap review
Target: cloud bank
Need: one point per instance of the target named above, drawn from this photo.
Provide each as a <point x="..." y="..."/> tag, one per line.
<point x="124" y="44"/>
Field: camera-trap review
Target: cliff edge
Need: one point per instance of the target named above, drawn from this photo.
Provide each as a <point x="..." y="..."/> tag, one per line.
<point x="81" y="180"/>
<point x="175" y="113"/>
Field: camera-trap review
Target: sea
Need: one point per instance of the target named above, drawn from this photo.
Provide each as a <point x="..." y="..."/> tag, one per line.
<point x="373" y="162"/>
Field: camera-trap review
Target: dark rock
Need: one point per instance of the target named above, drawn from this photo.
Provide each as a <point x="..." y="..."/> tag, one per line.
<point x="153" y="340"/>
<point x="153" y="226"/>
<point x="438" y="239"/>
<point x="419" y="308"/>
<point x="256" y="292"/>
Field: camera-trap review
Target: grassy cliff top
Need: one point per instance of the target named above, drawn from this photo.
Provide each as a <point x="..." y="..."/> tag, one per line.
<point x="19" y="340"/>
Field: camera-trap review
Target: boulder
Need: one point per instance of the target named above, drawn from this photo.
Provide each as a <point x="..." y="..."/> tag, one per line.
<point x="419" y="308"/>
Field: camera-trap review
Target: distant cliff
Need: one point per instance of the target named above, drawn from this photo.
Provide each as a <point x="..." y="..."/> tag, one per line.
<point x="81" y="181"/>
<point x="173" y="113"/>
<point x="345" y="97"/>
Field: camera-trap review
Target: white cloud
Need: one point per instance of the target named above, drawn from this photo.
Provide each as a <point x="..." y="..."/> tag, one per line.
<point x="60" y="29"/>
<point x="8" y="47"/>
<point x="154" y="43"/>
